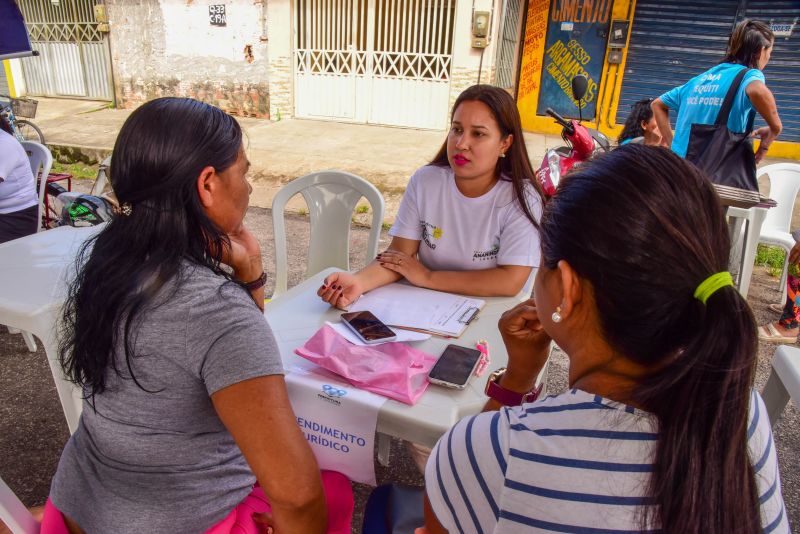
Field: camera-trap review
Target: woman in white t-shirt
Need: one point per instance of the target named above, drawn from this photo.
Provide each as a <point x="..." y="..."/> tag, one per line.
<point x="468" y="222"/>
<point x="18" y="200"/>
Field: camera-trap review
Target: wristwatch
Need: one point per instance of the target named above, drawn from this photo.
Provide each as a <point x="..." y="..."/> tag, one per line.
<point x="258" y="283"/>
<point x="506" y="397"/>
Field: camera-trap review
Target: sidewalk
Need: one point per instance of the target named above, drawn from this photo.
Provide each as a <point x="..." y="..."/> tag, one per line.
<point x="82" y="130"/>
<point x="278" y="151"/>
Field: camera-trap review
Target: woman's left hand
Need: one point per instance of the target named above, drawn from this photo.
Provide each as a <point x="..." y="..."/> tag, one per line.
<point x="244" y="255"/>
<point x="407" y="266"/>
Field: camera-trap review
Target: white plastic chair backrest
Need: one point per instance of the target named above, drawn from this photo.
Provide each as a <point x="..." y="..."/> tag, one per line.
<point x="784" y="183"/>
<point x="14" y="514"/>
<point x="41" y="162"/>
<point x="331" y="197"/>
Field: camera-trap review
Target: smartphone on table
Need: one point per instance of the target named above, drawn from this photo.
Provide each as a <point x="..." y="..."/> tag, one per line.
<point x="368" y="328"/>
<point x="454" y="367"/>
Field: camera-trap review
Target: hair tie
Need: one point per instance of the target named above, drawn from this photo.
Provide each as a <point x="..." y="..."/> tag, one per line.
<point x="125" y="209"/>
<point x="710" y="285"/>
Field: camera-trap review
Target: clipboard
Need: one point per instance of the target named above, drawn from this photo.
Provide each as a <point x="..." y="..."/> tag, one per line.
<point x="420" y="310"/>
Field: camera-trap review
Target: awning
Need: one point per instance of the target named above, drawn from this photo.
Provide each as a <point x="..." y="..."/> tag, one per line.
<point x="14" y="40"/>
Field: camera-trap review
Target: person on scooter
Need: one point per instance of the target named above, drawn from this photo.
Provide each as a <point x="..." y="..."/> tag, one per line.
<point x="19" y="202"/>
<point x="468" y="220"/>
<point x="640" y="126"/>
<point x="699" y="100"/>
<point x="185" y="404"/>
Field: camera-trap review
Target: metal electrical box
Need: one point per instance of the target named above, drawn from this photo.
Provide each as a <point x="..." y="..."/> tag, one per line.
<point x="618" y="34"/>
<point x="480" y="28"/>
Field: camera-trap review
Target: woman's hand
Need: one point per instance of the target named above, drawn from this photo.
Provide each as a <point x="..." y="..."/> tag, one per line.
<point x="766" y="135"/>
<point x="340" y="289"/>
<point x="527" y="344"/>
<point x="244" y="255"/>
<point x="408" y="266"/>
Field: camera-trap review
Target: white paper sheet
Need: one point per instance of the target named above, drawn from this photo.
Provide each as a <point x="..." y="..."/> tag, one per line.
<point x="338" y="420"/>
<point x="402" y="305"/>
<point x="402" y="335"/>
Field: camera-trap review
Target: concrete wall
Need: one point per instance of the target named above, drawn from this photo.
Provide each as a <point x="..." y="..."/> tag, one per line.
<point x="467" y="67"/>
<point x="281" y="79"/>
<point x="169" y="48"/>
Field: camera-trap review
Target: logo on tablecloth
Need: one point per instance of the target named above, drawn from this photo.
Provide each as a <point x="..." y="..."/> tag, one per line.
<point x="332" y="391"/>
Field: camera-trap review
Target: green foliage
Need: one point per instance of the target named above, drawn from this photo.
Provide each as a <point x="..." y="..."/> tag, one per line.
<point x="386" y="226"/>
<point x="79" y="171"/>
<point x="772" y="258"/>
<point x="363" y="208"/>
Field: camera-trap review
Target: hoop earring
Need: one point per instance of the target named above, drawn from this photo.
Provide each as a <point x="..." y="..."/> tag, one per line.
<point x="556" y="317"/>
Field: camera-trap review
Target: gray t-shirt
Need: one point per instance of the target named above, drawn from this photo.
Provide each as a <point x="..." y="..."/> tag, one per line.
<point x="161" y="460"/>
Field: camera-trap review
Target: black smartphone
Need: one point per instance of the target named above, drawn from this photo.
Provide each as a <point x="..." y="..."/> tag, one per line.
<point x="368" y="327"/>
<point x="454" y="367"/>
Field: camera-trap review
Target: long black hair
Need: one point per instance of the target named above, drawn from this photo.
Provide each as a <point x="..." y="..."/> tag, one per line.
<point x="640" y="112"/>
<point x="645" y="228"/>
<point x="157" y="159"/>
<point x="516" y="165"/>
<point x="747" y="41"/>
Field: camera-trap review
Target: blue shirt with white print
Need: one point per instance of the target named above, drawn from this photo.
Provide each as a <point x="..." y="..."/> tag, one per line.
<point x="699" y="100"/>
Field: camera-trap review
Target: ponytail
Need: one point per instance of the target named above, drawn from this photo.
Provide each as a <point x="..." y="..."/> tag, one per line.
<point x="644" y="228"/>
<point x="703" y="478"/>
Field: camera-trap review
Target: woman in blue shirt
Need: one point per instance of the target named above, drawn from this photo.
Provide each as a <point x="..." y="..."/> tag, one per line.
<point x="699" y="100"/>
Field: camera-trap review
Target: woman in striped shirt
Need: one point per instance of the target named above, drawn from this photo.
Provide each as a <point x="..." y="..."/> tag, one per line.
<point x="661" y="430"/>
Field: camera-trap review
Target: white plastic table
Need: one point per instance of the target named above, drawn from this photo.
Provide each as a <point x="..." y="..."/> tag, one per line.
<point x="298" y="313"/>
<point x="33" y="271"/>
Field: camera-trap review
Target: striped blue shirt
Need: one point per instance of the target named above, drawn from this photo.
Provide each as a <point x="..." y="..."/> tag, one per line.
<point x="574" y="462"/>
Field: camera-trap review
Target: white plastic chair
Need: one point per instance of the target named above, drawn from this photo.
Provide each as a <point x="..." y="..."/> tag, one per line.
<point x="14" y="514"/>
<point x="784" y="183"/>
<point x="41" y="162"/>
<point x="331" y="197"/>
<point x="745" y="228"/>
<point x="783" y="382"/>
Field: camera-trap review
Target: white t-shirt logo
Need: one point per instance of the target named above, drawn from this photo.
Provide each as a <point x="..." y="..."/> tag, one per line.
<point x="484" y="255"/>
<point x="430" y="232"/>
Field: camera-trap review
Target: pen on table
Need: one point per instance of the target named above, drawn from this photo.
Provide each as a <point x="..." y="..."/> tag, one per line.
<point x="483" y="347"/>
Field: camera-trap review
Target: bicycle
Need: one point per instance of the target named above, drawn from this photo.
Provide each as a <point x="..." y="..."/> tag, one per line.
<point x="24" y="130"/>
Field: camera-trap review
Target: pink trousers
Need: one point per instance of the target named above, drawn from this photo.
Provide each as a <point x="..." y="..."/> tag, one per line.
<point x="338" y="496"/>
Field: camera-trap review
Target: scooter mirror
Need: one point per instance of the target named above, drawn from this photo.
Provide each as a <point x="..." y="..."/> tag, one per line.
<point x="579" y="87"/>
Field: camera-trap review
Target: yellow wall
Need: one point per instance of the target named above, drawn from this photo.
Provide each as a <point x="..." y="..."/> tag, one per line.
<point x="9" y="78"/>
<point x="531" y="70"/>
<point x="610" y="84"/>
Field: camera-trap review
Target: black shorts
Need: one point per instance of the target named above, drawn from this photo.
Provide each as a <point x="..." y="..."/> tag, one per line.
<point x="18" y="223"/>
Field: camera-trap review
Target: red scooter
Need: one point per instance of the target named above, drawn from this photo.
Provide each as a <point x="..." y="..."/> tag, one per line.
<point x="582" y="143"/>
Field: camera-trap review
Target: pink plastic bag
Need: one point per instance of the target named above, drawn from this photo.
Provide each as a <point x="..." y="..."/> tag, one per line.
<point x="393" y="370"/>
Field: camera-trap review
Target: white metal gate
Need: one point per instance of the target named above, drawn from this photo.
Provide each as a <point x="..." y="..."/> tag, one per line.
<point x="73" y="53"/>
<point x="374" y="61"/>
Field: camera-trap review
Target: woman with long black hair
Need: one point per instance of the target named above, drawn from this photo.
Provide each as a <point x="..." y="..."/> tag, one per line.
<point x="699" y="100"/>
<point x="185" y="402"/>
<point x="468" y="220"/>
<point x="661" y="430"/>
